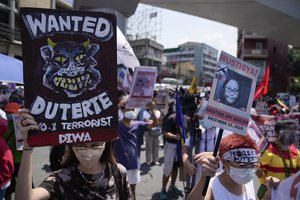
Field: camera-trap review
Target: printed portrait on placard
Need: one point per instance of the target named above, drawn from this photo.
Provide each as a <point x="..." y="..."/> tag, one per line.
<point x="233" y="89"/>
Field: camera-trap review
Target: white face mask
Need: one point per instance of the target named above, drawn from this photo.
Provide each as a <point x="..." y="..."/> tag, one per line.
<point x="205" y="125"/>
<point x="241" y="175"/>
<point x="130" y="115"/>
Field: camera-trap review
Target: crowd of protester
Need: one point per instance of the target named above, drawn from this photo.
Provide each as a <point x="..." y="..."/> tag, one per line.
<point x="120" y="158"/>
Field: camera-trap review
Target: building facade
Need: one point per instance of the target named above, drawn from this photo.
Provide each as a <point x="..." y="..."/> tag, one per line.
<point x="148" y="52"/>
<point x="259" y="51"/>
<point x="10" y="34"/>
<point x="202" y="56"/>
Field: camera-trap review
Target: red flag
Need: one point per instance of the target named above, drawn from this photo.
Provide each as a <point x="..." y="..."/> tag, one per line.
<point x="267" y="75"/>
<point x="262" y="88"/>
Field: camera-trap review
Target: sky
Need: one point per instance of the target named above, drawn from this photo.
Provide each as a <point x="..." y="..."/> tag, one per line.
<point x="178" y="28"/>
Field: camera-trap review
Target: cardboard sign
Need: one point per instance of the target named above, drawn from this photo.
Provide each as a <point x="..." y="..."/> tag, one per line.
<point x="232" y="93"/>
<point x="141" y="93"/>
<point x="70" y="81"/>
<point x="259" y="138"/>
<point x="266" y="124"/>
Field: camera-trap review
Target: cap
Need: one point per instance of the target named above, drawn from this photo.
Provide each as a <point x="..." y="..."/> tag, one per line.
<point x="12" y="107"/>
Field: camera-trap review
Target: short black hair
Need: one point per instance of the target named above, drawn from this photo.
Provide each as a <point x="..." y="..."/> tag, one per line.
<point x="121" y="93"/>
<point x="188" y="104"/>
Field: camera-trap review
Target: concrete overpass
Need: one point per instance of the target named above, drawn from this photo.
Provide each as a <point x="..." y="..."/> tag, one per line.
<point x="277" y="19"/>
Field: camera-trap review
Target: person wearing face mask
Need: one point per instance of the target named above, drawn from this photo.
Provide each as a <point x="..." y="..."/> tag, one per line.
<point x="90" y="171"/>
<point x="281" y="159"/>
<point x="239" y="156"/>
<point x="127" y="147"/>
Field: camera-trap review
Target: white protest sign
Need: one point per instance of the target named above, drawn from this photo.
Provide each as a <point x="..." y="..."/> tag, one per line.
<point x="232" y="94"/>
<point x="254" y="132"/>
<point x="144" y="79"/>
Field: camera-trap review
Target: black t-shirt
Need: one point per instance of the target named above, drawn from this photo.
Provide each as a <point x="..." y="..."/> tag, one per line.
<point x="170" y="126"/>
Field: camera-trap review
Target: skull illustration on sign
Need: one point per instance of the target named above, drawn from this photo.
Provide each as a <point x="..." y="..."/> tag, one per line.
<point x="69" y="67"/>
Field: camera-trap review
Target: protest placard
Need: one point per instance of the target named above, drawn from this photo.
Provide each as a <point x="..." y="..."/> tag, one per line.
<point x="70" y="81"/>
<point x="259" y="138"/>
<point x="266" y="124"/>
<point x="18" y="135"/>
<point x="141" y="92"/>
<point x="232" y="93"/>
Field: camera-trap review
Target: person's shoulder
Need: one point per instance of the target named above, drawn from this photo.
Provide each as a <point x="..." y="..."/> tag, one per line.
<point x="214" y="181"/>
<point x="65" y="171"/>
<point x="172" y="116"/>
<point x="61" y="175"/>
<point x="121" y="168"/>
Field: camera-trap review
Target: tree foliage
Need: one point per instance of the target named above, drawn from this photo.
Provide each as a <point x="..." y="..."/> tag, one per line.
<point x="294" y="61"/>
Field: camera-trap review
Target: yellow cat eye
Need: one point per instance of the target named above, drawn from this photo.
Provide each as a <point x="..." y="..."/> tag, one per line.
<point x="79" y="57"/>
<point x="60" y="59"/>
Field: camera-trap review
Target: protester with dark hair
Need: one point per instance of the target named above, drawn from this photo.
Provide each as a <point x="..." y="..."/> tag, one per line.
<point x="128" y="146"/>
<point x="230" y="93"/>
<point x="281" y="159"/>
<point x="171" y="134"/>
<point x="56" y="157"/>
<point x="170" y="111"/>
<point x="16" y="97"/>
<point x="171" y="163"/>
<point x="91" y="172"/>
<point x="239" y="156"/>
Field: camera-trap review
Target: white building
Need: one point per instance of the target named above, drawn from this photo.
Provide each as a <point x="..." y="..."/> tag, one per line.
<point x="203" y="56"/>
